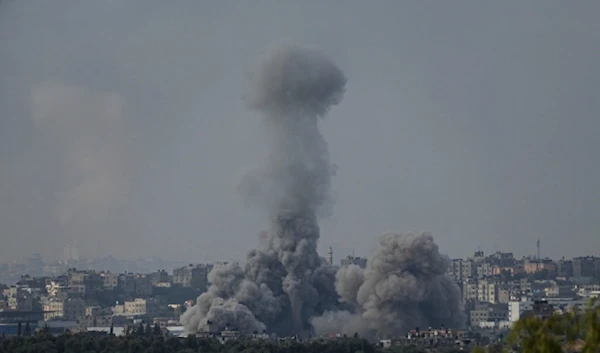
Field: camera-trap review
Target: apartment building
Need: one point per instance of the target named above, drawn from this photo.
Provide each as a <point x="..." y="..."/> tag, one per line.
<point x="141" y="307"/>
<point x="487" y="291"/>
<point x="192" y="276"/>
<point x="110" y="281"/>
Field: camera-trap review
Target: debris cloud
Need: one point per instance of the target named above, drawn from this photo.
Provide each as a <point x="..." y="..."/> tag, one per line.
<point x="285" y="282"/>
<point x="404" y="285"/>
<point x="285" y="286"/>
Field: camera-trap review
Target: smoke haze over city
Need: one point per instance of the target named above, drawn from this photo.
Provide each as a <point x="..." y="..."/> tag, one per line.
<point x="125" y="130"/>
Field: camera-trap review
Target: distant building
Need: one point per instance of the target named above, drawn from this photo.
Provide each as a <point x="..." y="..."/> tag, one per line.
<point x="143" y="285"/>
<point x="127" y="283"/>
<point x="141" y="307"/>
<point x="354" y="260"/>
<point x="53" y="309"/>
<point x="502" y="259"/>
<point x="19" y="298"/>
<point x="461" y="270"/>
<point x="484" y="312"/>
<point x="161" y="276"/>
<point x="484" y="270"/>
<point x="517" y="308"/>
<point x="192" y="276"/>
<point x="470" y="290"/>
<point x="74" y="309"/>
<point x="478" y="256"/>
<point x="487" y="291"/>
<point x="564" y="268"/>
<point x="110" y="281"/>
<point x="538" y="265"/>
<point x="503" y="294"/>
<point x="588" y="266"/>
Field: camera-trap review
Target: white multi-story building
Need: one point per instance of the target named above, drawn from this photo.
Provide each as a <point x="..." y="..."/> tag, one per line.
<point x="470" y="290"/>
<point x="516" y="308"/>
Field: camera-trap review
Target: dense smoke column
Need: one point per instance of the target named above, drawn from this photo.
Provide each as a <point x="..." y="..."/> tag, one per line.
<point x="404" y="285"/>
<point x="293" y="88"/>
<point x="285" y="282"/>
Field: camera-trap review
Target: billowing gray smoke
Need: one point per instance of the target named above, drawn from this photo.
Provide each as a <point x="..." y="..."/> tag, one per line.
<point x="285" y="286"/>
<point x="404" y="285"/>
<point x="285" y="283"/>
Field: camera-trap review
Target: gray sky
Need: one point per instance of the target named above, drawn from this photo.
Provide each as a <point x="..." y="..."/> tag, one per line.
<point x="123" y="129"/>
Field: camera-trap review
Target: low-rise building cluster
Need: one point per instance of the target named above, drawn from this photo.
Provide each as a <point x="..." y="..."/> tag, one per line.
<point x="81" y="299"/>
<point x="498" y="289"/>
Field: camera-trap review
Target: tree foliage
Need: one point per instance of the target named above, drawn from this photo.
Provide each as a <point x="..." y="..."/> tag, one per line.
<point x="570" y="332"/>
<point x="85" y="343"/>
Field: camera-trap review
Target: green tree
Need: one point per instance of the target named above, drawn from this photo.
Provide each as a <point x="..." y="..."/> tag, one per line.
<point x="157" y="330"/>
<point x="27" y="331"/>
<point x="574" y="331"/>
<point x="140" y="331"/>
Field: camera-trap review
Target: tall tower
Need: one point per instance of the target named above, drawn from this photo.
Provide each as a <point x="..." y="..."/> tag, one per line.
<point x="538" y="249"/>
<point x="330" y="255"/>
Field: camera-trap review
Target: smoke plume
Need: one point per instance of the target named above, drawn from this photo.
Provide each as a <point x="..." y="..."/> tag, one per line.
<point x="404" y="285"/>
<point x="285" y="286"/>
<point x="285" y="282"/>
<point x="88" y="128"/>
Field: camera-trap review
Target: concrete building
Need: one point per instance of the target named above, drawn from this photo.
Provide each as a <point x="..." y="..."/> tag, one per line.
<point x="161" y="276"/>
<point x="110" y="281"/>
<point x="564" y="268"/>
<point x="538" y="265"/>
<point x="77" y="289"/>
<point x="502" y="259"/>
<point x="75" y="276"/>
<point x="127" y="283"/>
<point x="503" y="294"/>
<point x="74" y="309"/>
<point x="141" y="307"/>
<point x="478" y="257"/>
<point x="470" y="290"/>
<point x="484" y="312"/>
<point x="461" y="270"/>
<point x="517" y="308"/>
<point x="485" y="270"/>
<point x="587" y="266"/>
<point x="192" y="276"/>
<point x="19" y="298"/>
<point x="487" y="291"/>
<point x="143" y="285"/>
<point x="53" y="309"/>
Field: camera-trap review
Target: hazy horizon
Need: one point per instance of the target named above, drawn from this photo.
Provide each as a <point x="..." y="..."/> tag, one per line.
<point x="123" y="127"/>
